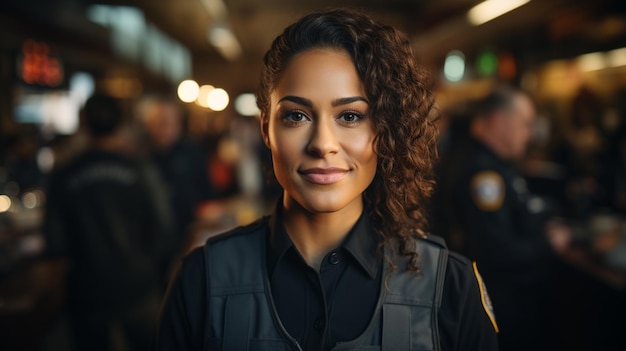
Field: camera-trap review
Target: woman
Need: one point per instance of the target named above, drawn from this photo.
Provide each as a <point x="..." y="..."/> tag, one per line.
<point x="343" y="261"/>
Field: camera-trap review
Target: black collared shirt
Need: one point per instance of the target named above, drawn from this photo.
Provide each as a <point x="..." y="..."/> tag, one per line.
<point x="335" y="304"/>
<point x="340" y="300"/>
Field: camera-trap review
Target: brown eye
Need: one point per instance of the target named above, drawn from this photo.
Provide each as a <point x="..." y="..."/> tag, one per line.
<point x="351" y="117"/>
<point x="294" y="117"/>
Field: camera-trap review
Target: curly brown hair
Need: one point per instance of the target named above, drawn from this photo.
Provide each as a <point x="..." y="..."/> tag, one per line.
<point x="401" y="106"/>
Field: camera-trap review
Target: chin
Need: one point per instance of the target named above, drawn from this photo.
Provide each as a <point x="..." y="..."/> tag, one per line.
<point x="327" y="203"/>
<point x="323" y="208"/>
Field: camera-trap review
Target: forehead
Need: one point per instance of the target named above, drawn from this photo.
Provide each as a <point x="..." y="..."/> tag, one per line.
<point x="320" y="70"/>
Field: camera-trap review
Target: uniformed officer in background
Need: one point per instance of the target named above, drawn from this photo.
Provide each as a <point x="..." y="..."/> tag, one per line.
<point x="483" y="209"/>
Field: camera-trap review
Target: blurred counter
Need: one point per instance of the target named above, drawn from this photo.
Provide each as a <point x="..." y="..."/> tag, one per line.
<point x="598" y="248"/>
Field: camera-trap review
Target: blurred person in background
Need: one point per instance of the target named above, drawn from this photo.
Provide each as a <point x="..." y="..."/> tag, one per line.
<point x="105" y="215"/>
<point x="483" y="209"/>
<point x="343" y="261"/>
<point x="181" y="161"/>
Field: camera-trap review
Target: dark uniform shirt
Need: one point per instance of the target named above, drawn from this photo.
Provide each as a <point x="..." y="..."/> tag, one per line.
<point x="486" y="213"/>
<point x="321" y="308"/>
<point x="335" y="304"/>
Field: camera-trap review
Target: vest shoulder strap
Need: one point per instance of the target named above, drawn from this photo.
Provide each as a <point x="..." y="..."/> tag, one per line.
<point x="410" y="296"/>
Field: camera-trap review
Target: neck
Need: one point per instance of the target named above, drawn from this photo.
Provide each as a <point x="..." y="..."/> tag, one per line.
<point x="315" y="234"/>
<point x="489" y="139"/>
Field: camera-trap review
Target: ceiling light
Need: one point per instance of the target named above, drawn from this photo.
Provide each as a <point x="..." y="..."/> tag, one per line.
<point x="215" y="8"/>
<point x="592" y="62"/>
<point x="617" y="57"/>
<point x="490" y="9"/>
<point x="225" y="42"/>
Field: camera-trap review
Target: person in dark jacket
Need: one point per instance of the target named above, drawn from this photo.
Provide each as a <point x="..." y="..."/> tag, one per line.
<point x="484" y="210"/>
<point x="105" y="216"/>
<point x="344" y="260"/>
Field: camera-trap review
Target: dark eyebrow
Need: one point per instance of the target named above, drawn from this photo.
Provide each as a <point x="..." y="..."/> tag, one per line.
<point x="337" y="102"/>
<point x="348" y="100"/>
<point x="298" y="100"/>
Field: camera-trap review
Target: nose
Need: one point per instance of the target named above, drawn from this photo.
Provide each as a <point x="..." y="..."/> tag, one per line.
<point x="323" y="139"/>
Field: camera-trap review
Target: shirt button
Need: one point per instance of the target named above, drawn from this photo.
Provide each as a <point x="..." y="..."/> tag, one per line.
<point x="319" y="324"/>
<point x="333" y="258"/>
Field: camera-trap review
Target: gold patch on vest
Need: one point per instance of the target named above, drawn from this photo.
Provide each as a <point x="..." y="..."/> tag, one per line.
<point x="484" y="298"/>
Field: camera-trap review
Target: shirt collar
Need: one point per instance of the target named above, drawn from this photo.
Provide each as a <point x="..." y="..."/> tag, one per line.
<point x="361" y="242"/>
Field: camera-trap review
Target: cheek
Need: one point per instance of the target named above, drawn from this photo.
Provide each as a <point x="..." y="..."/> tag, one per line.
<point x="285" y="149"/>
<point x="361" y="147"/>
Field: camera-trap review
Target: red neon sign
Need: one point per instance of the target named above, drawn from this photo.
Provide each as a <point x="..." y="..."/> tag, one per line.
<point x="38" y="66"/>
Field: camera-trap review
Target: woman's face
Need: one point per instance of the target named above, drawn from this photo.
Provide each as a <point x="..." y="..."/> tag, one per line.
<point x="320" y="132"/>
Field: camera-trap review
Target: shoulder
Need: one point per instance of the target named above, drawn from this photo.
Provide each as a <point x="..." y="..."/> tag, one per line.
<point x="459" y="272"/>
<point x="465" y="289"/>
<point x="195" y="259"/>
<point x="457" y="265"/>
<point x="434" y="240"/>
<point x="238" y="247"/>
<point x="241" y="233"/>
<point x="459" y="268"/>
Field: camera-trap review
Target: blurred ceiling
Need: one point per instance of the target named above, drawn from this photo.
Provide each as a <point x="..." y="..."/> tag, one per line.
<point x="435" y="26"/>
<point x="537" y="31"/>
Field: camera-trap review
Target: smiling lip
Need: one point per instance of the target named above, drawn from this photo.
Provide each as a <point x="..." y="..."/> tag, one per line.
<point x="323" y="176"/>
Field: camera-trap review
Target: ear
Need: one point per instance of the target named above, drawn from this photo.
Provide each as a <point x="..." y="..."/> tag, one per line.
<point x="264" y="129"/>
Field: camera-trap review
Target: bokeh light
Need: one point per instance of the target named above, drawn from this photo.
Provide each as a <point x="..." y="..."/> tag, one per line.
<point x="218" y="99"/>
<point x="188" y="90"/>
<point x="454" y="67"/>
<point x="487" y="63"/>
<point x="30" y="200"/>
<point x="5" y="203"/>
<point x="245" y="105"/>
<point x="203" y="95"/>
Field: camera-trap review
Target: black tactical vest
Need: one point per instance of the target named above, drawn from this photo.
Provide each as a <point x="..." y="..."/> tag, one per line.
<point x="241" y="314"/>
